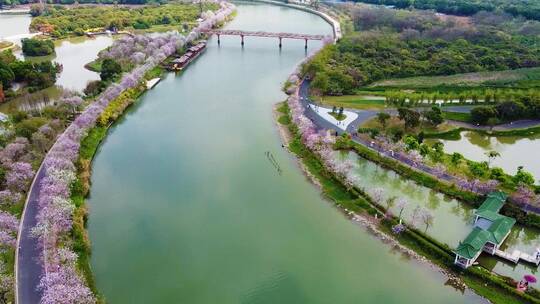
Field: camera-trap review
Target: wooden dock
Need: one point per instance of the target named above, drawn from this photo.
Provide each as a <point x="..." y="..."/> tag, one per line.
<point x="517" y="255"/>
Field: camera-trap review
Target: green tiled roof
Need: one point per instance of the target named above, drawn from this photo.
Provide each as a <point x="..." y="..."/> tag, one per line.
<point x="473" y="243"/>
<point x="498" y="195"/>
<point x="492" y="204"/>
<point x="490" y="215"/>
<point x="500" y="228"/>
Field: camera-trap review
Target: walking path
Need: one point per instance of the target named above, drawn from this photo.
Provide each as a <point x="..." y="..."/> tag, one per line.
<point x="28" y="268"/>
<point x="518" y="124"/>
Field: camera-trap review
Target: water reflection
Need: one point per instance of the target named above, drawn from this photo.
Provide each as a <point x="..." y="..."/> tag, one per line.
<point x="73" y="54"/>
<point x="452" y="219"/>
<point x="515" y="150"/>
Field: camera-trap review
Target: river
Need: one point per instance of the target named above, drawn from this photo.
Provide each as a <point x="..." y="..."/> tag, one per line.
<point x="185" y="206"/>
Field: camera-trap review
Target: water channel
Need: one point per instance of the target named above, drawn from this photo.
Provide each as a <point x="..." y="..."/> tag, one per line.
<point x="186" y="207"/>
<point x="453" y="220"/>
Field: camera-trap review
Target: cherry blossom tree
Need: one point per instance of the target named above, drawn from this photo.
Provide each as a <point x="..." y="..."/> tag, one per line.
<point x="19" y="176"/>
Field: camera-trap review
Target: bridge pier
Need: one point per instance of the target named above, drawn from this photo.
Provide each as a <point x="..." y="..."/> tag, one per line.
<point x="280" y="41"/>
<point x="242" y="40"/>
<point x="305" y="46"/>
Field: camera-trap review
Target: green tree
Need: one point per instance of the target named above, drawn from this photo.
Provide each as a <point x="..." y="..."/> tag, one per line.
<point x="482" y="114"/>
<point x="383" y="118"/>
<point x="523" y="177"/>
<point x="109" y="69"/>
<point x="434" y="116"/>
<point x="456" y="158"/>
<point x="37" y="47"/>
<point x="410" y="117"/>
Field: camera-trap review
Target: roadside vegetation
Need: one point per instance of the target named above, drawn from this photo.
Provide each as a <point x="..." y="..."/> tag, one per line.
<point x="60" y="21"/>
<point x="527" y="8"/>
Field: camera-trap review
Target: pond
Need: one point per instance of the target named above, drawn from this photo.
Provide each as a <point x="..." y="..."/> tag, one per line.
<point x="514" y="151"/>
<point x="73" y="54"/>
<point x="14" y="24"/>
<point x="452" y="219"/>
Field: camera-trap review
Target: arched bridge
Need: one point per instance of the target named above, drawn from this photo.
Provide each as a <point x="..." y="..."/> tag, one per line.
<point x="280" y="36"/>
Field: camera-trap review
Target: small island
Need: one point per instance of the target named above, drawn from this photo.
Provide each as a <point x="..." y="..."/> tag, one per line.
<point x="37" y="47"/>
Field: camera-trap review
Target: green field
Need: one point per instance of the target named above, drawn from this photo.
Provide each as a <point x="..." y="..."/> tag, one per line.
<point x="361" y="102"/>
<point x="465" y="117"/>
<point x="527" y="77"/>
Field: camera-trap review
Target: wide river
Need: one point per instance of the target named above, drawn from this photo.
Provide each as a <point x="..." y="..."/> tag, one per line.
<point x="185" y="206"/>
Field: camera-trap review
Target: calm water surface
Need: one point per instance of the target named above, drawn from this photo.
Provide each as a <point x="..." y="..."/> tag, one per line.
<point x="515" y="151"/>
<point x="73" y="54"/>
<point x="11" y="25"/>
<point x="185" y="206"/>
<point x="452" y="219"/>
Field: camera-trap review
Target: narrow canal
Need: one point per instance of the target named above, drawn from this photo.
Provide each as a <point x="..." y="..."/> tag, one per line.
<point x="186" y="207"/>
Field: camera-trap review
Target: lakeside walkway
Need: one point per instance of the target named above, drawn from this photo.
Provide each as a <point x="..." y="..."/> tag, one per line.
<point x="28" y="267"/>
<point x="515" y="125"/>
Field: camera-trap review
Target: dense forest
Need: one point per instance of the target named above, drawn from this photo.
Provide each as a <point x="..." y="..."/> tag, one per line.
<point x="391" y="43"/>
<point x="14" y="2"/>
<point x="61" y="21"/>
<point x="527" y="8"/>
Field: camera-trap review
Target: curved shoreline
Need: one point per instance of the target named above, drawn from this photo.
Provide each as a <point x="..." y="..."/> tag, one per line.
<point x="31" y="208"/>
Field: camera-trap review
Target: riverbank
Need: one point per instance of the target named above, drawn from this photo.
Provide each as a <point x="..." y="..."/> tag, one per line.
<point x="355" y="200"/>
<point x="110" y="102"/>
<point x="367" y="218"/>
<point x="89" y="147"/>
<point x="359" y="206"/>
<point x="343" y="191"/>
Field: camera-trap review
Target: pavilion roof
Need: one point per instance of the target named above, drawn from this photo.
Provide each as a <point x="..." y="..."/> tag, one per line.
<point x="473" y="243"/>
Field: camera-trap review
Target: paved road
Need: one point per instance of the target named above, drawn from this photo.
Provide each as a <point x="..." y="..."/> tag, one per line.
<point x="519" y="124"/>
<point x="29" y="267"/>
<point x="321" y="124"/>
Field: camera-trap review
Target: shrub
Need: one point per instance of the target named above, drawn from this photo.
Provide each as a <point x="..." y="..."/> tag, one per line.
<point x="36" y="47"/>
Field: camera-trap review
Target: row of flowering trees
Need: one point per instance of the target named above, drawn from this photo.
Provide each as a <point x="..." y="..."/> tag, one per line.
<point x="523" y="195"/>
<point x="61" y="282"/>
<point x="18" y="159"/>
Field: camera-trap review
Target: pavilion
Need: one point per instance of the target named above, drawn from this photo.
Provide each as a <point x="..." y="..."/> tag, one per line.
<point x="489" y="232"/>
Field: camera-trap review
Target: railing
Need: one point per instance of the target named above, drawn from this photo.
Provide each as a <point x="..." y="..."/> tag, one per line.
<point x="280" y="36"/>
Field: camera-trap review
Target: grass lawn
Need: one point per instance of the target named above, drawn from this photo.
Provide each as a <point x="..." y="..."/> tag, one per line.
<point x="361" y="102"/>
<point x="465" y="117"/>
<point x="394" y="122"/>
<point x="337" y="116"/>
<point x="523" y="77"/>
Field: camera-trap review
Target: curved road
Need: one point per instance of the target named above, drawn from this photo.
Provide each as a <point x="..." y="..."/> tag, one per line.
<point x="28" y="267"/>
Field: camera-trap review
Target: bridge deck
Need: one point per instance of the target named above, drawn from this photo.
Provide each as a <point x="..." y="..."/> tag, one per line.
<point x="517" y="255"/>
<point x="265" y="34"/>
